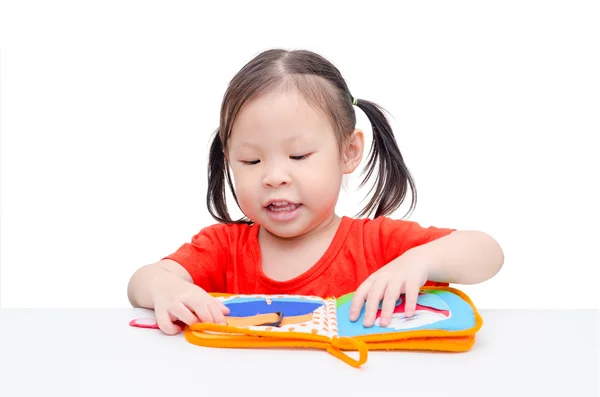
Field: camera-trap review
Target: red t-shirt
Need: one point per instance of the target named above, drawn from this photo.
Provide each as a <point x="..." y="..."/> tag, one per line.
<point x="226" y="258"/>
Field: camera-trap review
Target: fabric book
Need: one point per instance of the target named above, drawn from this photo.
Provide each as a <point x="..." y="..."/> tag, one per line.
<point x="445" y="319"/>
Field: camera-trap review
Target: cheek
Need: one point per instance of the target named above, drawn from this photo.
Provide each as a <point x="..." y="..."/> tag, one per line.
<point x="324" y="182"/>
<point x="244" y="189"/>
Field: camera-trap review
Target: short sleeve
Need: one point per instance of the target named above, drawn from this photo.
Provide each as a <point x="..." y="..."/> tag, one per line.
<point x="205" y="258"/>
<point x="398" y="236"/>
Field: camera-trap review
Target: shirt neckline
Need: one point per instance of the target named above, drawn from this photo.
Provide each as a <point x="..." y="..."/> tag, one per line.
<point x="310" y="274"/>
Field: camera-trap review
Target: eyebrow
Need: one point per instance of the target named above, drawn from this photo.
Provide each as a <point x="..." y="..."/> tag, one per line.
<point x="244" y="144"/>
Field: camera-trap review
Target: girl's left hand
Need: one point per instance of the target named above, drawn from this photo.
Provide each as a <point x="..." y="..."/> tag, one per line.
<point x="404" y="275"/>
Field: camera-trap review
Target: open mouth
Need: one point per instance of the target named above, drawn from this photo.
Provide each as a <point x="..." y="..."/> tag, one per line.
<point x="282" y="206"/>
<point x="283" y="211"/>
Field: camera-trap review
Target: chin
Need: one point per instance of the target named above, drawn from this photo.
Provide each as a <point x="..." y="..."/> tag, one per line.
<point x="287" y="230"/>
<point x="282" y="231"/>
<point x="305" y="222"/>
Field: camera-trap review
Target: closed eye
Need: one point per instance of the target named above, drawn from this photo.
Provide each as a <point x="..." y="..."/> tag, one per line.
<point x="250" y="162"/>
<point x="301" y="157"/>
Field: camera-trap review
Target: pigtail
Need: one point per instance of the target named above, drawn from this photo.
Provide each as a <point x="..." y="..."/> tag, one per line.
<point x="393" y="178"/>
<point x="218" y="172"/>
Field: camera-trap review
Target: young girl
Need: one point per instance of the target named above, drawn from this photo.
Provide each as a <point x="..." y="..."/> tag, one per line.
<point x="287" y="137"/>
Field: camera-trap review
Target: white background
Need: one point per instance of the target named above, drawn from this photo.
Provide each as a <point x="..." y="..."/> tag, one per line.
<point x="107" y="108"/>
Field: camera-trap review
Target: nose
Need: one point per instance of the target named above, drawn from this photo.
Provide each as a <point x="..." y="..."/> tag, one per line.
<point x="276" y="176"/>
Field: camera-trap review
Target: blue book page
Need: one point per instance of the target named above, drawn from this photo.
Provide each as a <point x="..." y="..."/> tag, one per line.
<point x="297" y="313"/>
<point x="436" y="310"/>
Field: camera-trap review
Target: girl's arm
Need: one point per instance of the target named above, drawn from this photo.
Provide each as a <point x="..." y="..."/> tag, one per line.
<point x="462" y="257"/>
<point x="150" y="278"/>
<point x="168" y="288"/>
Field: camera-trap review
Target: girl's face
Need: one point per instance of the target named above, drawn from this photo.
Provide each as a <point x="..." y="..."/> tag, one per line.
<point x="286" y="163"/>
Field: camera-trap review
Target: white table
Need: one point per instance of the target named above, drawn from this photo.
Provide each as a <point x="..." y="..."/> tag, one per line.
<point x="77" y="352"/>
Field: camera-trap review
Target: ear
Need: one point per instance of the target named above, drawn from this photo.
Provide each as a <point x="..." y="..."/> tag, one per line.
<point x="353" y="151"/>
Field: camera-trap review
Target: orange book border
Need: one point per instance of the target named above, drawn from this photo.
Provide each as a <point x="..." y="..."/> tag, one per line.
<point x="226" y="336"/>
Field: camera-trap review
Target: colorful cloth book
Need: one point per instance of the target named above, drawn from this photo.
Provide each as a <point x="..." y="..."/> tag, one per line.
<point x="445" y="320"/>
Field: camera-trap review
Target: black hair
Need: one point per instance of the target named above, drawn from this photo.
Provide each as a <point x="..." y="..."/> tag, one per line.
<point x="322" y="85"/>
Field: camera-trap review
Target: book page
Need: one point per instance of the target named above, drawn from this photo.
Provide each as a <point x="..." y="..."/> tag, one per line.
<point x="306" y="314"/>
<point x="435" y="310"/>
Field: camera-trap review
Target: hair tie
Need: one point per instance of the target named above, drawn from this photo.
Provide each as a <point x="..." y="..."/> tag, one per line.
<point x="355" y="101"/>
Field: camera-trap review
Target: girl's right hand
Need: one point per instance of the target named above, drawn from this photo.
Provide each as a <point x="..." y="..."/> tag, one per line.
<point x="181" y="301"/>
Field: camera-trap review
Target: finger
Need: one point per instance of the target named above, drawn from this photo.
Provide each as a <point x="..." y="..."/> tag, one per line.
<point x="201" y="310"/>
<point x="216" y="313"/>
<point x="183" y="313"/>
<point x="165" y="322"/>
<point x="358" y="299"/>
<point x="411" y="295"/>
<point x="224" y="309"/>
<point x="390" y="297"/>
<point x="374" y="297"/>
